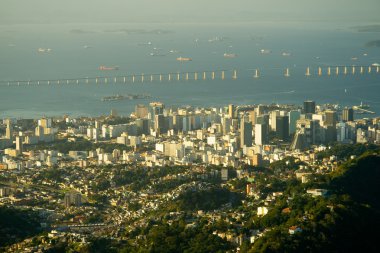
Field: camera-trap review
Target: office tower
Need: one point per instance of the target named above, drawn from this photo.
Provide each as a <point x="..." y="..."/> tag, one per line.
<point x="160" y="124"/>
<point x="72" y="198"/>
<point x="186" y="123"/>
<point x="257" y="160"/>
<point x="347" y="114"/>
<point x="142" y="126"/>
<point x="330" y="126"/>
<point x="226" y="125"/>
<point x="282" y="127"/>
<point x="330" y="118"/>
<point x="245" y="134"/>
<point x="178" y="122"/>
<point x="261" y="134"/>
<point x="260" y="110"/>
<point x="141" y="111"/>
<point x="234" y="125"/>
<point x="307" y="133"/>
<point x="309" y="107"/>
<point x="341" y="132"/>
<point x="264" y="120"/>
<point x="252" y="117"/>
<point x="293" y="117"/>
<point x="231" y="111"/>
<point x="44" y="122"/>
<point x="273" y="115"/>
<point x="156" y="108"/>
<point x="67" y="200"/>
<point x="8" y="131"/>
<point x="19" y="145"/>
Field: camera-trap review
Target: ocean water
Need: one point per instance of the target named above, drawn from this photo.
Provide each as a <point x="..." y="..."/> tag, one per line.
<point x="126" y="46"/>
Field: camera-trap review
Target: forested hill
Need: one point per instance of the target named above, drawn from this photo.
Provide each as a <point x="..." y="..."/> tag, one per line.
<point x="347" y="220"/>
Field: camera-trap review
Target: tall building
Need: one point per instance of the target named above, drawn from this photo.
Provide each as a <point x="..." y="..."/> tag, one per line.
<point x="273" y="115"/>
<point x="306" y="134"/>
<point x="44" y="122"/>
<point x="330" y="118"/>
<point x="160" y="124"/>
<point x="231" y="111"/>
<point x="72" y="198"/>
<point x="252" y="117"/>
<point x="156" y="108"/>
<point x="293" y="117"/>
<point x="9" y="130"/>
<point x="245" y="134"/>
<point x="260" y="110"/>
<point x="309" y="107"/>
<point x="19" y="145"/>
<point x="330" y="126"/>
<point x="347" y="114"/>
<point x="226" y="125"/>
<point x="261" y="134"/>
<point x="141" y="111"/>
<point x="282" y="127"/>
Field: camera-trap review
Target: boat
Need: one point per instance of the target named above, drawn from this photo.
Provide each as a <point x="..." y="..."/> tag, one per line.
<point x="229" y="55"/>
<point x="44" y="50"/>
<point x="108" y="68"/>
<point x="265" y="51"/>
<point x="145" y="44"/>
<point x="181" y="59"/>
<point x="375" y="64"/>
<point x="285" y="54"/>
<point x="157" y="54"/>
<point x="215" y="39"/>
<point x="354" y="58"/>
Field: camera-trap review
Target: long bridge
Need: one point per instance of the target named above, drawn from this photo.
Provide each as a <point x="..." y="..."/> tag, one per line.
<point x="198" y="76"/>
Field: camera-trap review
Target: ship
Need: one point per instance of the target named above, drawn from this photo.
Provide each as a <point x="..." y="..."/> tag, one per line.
<point x="229" y="55"/>
<point x="181" y="59"/>
<point x="108" y="68"/>
<point x="44" y="50"/>
<point x="265" y="51"/>
<point x="286" y="54"/>
<point x="375" y="64"/>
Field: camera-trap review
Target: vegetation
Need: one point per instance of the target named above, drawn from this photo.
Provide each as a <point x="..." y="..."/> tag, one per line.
<point x="346" y="221"/>
<point x="16" y="225"/>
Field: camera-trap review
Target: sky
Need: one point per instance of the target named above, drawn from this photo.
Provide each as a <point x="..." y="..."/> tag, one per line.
<point x="186" y="11"/>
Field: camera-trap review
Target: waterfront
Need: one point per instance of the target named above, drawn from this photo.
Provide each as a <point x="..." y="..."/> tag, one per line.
<point x="78" y="50"/>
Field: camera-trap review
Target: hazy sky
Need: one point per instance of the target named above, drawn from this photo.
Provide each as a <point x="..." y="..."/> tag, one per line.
<point x="99" y="11"/>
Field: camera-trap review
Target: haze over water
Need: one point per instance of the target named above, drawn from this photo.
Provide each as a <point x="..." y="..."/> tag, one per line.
<point x="78" y="49"/>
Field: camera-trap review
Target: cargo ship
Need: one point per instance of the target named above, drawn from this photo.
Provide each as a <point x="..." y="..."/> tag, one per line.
<point x="229" y="55"/>
<point x="184" y="59"/>
<point x="108" y="68"/>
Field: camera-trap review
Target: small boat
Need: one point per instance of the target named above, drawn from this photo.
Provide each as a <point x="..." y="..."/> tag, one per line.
<point x="108" y="68"/>
<point x="44" y="50"/>
<point x="229" y="55"/>
<point x="182" y="59"/>
<point x="265" y="51"/>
